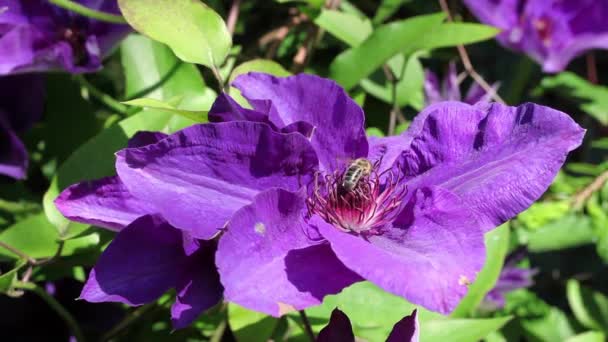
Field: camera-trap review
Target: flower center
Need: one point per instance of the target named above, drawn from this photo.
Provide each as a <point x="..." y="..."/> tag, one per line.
<point x="544" y="30"/>
<point x="77" y="40"/>
<point x="365" y="207"/>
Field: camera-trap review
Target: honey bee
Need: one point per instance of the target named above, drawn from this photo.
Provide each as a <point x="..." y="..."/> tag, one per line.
<point x="359" y="168"/>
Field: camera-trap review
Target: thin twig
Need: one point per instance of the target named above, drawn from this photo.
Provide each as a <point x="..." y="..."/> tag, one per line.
<point x="17" y="252"/>
<point x="55" y="305"/>
<point x="104" y="98"/>
<point x="580" y="198"/>
<point x="276" y="36"/>
<point x="466" y="61"/>
<point x="591" y="68"/>
<point x="395" y="114"/>
<point x="166" y="77"/>
<point x="307" y="326"/>
<point x="127" y="321"/>
<point x="88" y="12"/>
<point x="233" y="16"/>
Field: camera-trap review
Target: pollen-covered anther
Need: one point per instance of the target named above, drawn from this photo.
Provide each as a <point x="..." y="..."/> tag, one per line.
<point x="371" y="205"/>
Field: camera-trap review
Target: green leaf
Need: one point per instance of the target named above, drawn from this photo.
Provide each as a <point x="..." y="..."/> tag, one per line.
<point x="247" y="325"/>
<point x="372" y="311"/>
<point x="497" y="246"/>
<point x="570" y="231"/>
<point x="260" y="65"/>
<point x="191" y="29"/>
<point x="66" y="110"/>
<point x="601" y="143"/>
<point x="554" y="326"/>
<point x="312" y="3"/>
<point x="386" y="9"/>
<point x="407" y="36"/>
<point x="402" y="127"/>
<point x="374" y="132"/>
<point x="95" y="159"/>
<point x="590" y="307"/>
<point x="409" y="87"/>
<point x="152" y="71"/>
<point x="589" y="336"/>
<point x="257" y="65"/>
<point x="194" y="115"/>
<point x="591" y="98"/>
<point x="542" y="213"/>
<point x="456" y="330"/>
<point x="7" y="279"/>
<point x="349" y="28"/>
<point x="38" y="238"/>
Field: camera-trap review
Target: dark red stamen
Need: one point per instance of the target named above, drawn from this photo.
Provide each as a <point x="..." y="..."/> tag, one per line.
<point x="367" y="209"/>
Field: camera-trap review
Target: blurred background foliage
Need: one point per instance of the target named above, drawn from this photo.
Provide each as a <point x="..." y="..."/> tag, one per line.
<point x="378" y="50"/>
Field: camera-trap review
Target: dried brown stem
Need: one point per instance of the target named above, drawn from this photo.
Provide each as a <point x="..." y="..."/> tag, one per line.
<point x="581" y="198"/>
<point x="591" y="68"/>
<point x="233" y="16"/>
<point x="466" y="61"/>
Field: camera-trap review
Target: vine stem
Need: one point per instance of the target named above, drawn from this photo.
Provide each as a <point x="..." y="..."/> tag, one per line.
<point x="466" y="61"/>
<point x="18" y="252"/>
<point x="233" y="16"/>
<point x="88" y="12"/>
<point x="307" y="326"/>
<point x="580" y="198"/>
<point x="591" y="68"/>
<point x="55" y="305"/>
<point x="104" y="98"/>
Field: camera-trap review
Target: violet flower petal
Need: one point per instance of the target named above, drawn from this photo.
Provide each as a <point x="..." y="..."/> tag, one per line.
<point x="145" y="138"/>
<point x="451" y="88"/>
<point x="199" y="287"/>
<point x="209" y="171"/>
<point x="550" y="32"/>
<point x="268" y="263"/>
<point x="143" y="261"/>
<point x="226" y="109"/>
<point x="339" y="329"/>
<point x="39" y="36"/>
<point x="13" y="155"/>
<point x="432" y="88"/>
<point x="436" y="241"/>
<point x="105" y="202"/>
<point x="498" y="159"/>
<point x="339" y="133"/>
<point x="406" y="330"/>
<point x="21" y="104"/>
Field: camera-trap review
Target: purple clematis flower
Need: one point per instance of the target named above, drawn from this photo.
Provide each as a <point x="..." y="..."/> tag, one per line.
<point x="339" y="329"/>
<point x="268" y="183"/>
<point x="21" y="104"/>
<point x="449" y="90"/>
<point x="511" y="278"/>
<point x="552" y="32"/>
<point x="38" y="36"/>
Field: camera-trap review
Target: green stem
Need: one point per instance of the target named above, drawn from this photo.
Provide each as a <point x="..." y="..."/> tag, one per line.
<point x="55" y="305"/>
<point x="87" y="12"/>
<point x="104" y="98"/>
<point x="307" y="326"/>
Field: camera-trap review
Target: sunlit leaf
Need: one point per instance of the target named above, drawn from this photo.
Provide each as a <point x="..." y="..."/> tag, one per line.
<point x="349" y="28"/>
<point x="195" y="32"/>
<point x="590" y="307"/>
<point x="249" y="325"/>
<point x="593" y="99"/>
<point x="497" y="246"/>
<point x="196" y="116"/>
<point x="407" y="36"/>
